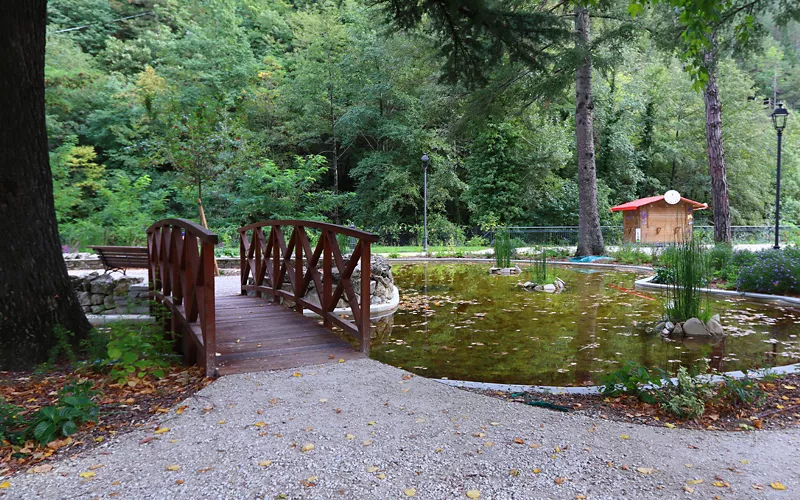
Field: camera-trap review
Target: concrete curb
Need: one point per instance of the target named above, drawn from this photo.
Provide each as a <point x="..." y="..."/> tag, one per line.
<point x="595" y="389"/>
<point x="102" y="319"/>
<point x="375" y="311"/>
<point x="647" y="284"/>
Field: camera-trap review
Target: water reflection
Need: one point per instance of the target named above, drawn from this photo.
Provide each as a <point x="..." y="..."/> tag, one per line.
<point x="457" y="321"/>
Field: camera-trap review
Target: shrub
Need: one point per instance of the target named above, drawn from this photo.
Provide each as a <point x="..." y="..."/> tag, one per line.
<point x="771" y="271"/>
<point x="630" y="254"/>
<point x="11" y="423"/>
<point x="686" y="398"/>
<point x="476" y="241"/>
<point x="394" y="255"/>
<point x="632" y="380"/>
<point x="738" y="393"/>
<point x="136" y="352"/>
<point x="73" y="409"/>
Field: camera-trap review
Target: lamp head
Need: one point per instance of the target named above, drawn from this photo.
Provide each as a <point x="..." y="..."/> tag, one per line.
<point x="779" y="116"/>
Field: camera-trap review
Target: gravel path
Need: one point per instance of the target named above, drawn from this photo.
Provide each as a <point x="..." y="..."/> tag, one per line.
<point x="377" y="431"/>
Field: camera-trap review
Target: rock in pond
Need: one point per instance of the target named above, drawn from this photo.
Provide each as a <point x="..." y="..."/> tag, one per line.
<point x="693" y="327"/>
<point x="714" y="327"/>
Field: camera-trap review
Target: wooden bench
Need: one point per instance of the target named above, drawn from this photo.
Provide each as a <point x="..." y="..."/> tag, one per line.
<point x="122" y="258"/>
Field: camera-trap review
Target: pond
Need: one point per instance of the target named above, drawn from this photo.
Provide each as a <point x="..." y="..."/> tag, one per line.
<point x="459" y="322"/>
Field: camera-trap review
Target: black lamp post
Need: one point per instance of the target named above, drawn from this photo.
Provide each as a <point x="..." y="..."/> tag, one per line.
<point x="779" y="116"/>
<point x="425" y="161"/>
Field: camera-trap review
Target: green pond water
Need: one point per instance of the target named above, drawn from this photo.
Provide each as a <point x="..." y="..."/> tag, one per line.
<point x="459" y="322"/>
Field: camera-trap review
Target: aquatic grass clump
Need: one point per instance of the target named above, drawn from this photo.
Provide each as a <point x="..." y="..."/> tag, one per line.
<point x="686" y="274"/>
<point x="503" y="248"/>
<point x="773" y="271"/>
<point x="542" y="272"/>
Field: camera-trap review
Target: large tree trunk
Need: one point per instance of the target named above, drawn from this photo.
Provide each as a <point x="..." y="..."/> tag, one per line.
<point x="590" y="237"/>
<point x="716" y="160"/>
<point x="35" y="291"/>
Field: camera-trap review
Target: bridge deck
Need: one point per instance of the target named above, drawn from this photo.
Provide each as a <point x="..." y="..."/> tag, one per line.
<point x="255" y="335"/>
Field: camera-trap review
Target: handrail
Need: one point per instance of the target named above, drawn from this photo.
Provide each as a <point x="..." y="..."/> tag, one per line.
<point x="347" y="231"/>
<point x="202" y="233"/>
<point x="268" y="260"/>
<point x="180" y="257"/>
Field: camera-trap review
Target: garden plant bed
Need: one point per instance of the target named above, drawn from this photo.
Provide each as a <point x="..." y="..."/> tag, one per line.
<point x="781" y="408"/>
<point x="121" y="409"/>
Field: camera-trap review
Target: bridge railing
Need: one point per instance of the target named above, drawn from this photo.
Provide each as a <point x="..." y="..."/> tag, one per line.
<point x="180" y="257"/>
<point x="268" y="259"/>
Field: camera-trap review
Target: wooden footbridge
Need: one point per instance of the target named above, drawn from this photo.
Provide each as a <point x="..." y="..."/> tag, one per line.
<point x="264" y="328"/>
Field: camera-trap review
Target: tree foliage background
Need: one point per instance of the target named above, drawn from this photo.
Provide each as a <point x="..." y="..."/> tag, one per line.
<point x="322" y="110"/>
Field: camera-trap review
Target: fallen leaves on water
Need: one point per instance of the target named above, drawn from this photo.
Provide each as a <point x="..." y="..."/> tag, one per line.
<point x="777" y="486"/>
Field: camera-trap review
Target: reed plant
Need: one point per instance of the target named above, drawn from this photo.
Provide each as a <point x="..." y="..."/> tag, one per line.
<point x="542" y="272"/>
<point x="503" y="248"/>
<point x="687" y="273"/>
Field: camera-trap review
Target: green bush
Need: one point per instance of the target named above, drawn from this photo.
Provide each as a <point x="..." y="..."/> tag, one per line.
<point x="744" y="392"/>
<point x="12" y="424"/>
<point x="128" y="351"/>
<point x="631" y="254"/>
<point x="394" y="255"/>
<point x="632" y="380"/>
<point x="771" y="271"/>
<point x="476" y="241"/>
<point x="687" y="397"/>
<point x="74" y="408"/>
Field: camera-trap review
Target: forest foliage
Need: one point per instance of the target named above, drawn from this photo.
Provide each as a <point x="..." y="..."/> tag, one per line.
<point x="321" y="110"/>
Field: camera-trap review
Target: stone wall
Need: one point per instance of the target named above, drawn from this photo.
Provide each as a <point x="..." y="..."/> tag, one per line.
<point x="107" y="294"/>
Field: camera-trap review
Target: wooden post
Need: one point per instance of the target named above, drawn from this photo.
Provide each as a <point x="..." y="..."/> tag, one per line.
<point x="205" y="225"/>
<point x="256" y="240"/>
<point x="366" y="278"/>
<point x="298" y="267"/>
<point x="327" y="278"/>
<point x="276" y="264"/>
<point x="244" y="273"/>
<point x="209" y="312"/>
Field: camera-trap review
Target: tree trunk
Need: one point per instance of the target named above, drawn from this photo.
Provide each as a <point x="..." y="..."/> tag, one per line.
<point x="716" y="160"/>
<point x="35" y="290"/>
<point x="590" y="238"/>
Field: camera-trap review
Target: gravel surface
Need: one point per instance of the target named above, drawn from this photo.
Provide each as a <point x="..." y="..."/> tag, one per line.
<point x="377" y="431"/>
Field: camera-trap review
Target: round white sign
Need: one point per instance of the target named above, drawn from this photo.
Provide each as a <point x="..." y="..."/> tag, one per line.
<point x="672" y="197"/>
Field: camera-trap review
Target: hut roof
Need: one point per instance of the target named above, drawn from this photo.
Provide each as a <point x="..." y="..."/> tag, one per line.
<point x="636" y="204"/>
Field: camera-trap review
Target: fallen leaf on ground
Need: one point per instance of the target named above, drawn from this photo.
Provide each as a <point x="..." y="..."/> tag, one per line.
<point x="695" y="481"/>
<point x="777" y="486"/>
<point x="307" y="447"/>
<point x="221" y="422"/>
<point x="173" y="467"/>
<point x="179" y="481"/>
<point x="371" y="422"/>
<point x="757" y="486"/>
<point x="5" y="485"/>
<point x="537" y="471"/>
<point x="162" y="430"/>
<point x="181" y="409"/>
<point x="372" y="469"/>
<point x="410" y="492"/>
<point x="624" y="436"/>
<point x="42" y="468"/>
<point x="560" y="480"/>
<point x="265" y="463"/>
<point x="87" y="475"/>
<point x="688" y="489"/>
<point x="367" y="442"/>
<point x="720" y="484"/>
<point x="297" y="374"/>
<point x="381" y="476"/>
<point x="96" y="466"/>
<point x="519" y="440"/>
<point x="205" y="470"/>
<point x="669" y="426"/>
<point x="260" y="424"/>
<point x="341" y="360"/>
<point x="645" y="470"/>
<point x="349" y="437"/>
<point x="473" y="494"/>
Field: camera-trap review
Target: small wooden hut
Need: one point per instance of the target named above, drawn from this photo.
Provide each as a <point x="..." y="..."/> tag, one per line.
<point x="653" y="220"/>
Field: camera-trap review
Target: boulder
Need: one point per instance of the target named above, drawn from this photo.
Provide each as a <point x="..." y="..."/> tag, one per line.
<point x="716" y="318"/>
<point x="103" y="284"/>
<point x="714" y="327"/>
<point x="550" y="288"/>
<point x="669" y="325"/>
<point x="84" y="299"/>
<point x="677" y="331"/>
<point x="693" y="327"/>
